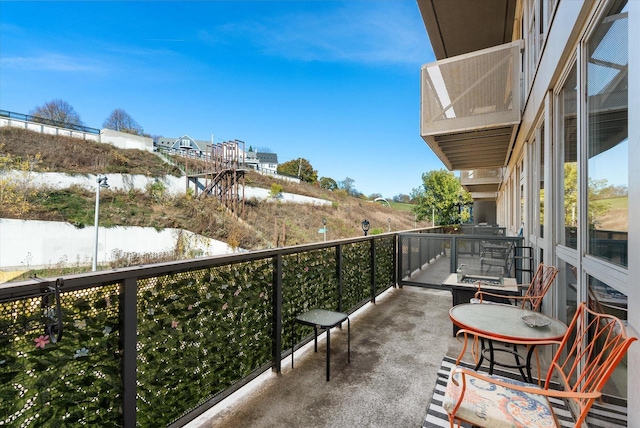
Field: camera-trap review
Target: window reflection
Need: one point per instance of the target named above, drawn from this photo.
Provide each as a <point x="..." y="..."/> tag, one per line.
<point x="608" y="300"/>
<point x="567" y="291"/>
<point x="607" y="149"/>
<point x="567" y="105"/>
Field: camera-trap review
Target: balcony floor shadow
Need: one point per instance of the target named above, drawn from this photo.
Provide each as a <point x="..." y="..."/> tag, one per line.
<point x="397" y="346"/>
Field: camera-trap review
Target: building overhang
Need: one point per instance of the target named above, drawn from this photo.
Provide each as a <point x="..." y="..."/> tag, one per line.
<point x="481" y="181"/>
<point x="463" y="26"/>
<point x="484" y="196"/>
<point x="485" y="120"/>
<point x="470" y="107"/>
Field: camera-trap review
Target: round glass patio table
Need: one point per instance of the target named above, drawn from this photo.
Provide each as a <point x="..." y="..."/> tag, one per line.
<point x="505" y="323"/>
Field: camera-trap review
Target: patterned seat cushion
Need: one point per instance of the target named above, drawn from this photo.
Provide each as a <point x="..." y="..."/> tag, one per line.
<point x="489" y="405"/>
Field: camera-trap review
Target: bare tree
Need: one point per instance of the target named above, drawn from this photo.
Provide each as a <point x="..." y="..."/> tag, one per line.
<point x="120" y="120"/>
<point x="58" y="111"/>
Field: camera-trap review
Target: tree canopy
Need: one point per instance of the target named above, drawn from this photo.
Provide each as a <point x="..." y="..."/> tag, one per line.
<point x="347" y="184"/>
<point x="441" y="193"/>
<point x="57" y="110"/>
<point x="300" y="168"/>
<point x="599" y="192"/>
<point x="120" y="120"/>
<point x="401" y="197"/>
<point x="328" y="183"/>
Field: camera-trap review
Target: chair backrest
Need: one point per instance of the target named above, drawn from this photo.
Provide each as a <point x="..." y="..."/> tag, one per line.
<point x="589" y="353"/>
<point x="511" y="253"/>
<point x="540" y="284"/>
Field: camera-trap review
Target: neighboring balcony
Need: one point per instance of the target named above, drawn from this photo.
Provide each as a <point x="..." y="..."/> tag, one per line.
<point x="482" y="183"/>
<point x="471" y="107"/>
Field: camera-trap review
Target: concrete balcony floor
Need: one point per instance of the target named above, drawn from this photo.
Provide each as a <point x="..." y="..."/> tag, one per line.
<point x="397" y="346"/>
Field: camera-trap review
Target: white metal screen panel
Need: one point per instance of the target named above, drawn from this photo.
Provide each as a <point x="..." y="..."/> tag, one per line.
<point x="472" y="91"/>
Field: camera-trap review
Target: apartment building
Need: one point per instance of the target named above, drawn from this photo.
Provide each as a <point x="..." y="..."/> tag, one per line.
<point x="536" y="103"/>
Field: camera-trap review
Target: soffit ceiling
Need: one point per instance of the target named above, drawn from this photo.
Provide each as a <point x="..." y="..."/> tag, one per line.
<point x="485" y="148"/>
<point x="457" y="27"/>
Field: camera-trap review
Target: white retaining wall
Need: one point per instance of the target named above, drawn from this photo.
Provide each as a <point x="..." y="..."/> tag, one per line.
<point x="123" y="140"/>
<point x="173" y="185"/>
<point x="49" y="243"/>
<point x="48" y="129"/>
<point x="59" y="180"/>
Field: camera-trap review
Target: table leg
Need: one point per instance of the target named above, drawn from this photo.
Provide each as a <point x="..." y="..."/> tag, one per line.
<point x="481" y="359"/>
<point x="519" y="364"/>
<point x="328" y="351"/>
<point x="529" y="354"/>
<point x="491" y="357"/>
<point x="315" y="337"/>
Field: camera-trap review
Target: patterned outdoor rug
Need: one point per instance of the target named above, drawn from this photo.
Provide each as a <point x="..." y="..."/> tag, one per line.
<point x="602" y="415"/>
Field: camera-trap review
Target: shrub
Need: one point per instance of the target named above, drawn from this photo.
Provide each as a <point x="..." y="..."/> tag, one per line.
<point x="276" y="190"/>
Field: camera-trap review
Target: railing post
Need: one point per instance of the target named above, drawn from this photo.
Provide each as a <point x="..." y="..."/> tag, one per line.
<point x="277" y="314"/>
<point x="399" y="260"/>
<point x="432" y="245"/>
<point x="339" y="274"/>
<point x="129" y="340"/>
<point x="409" y="241"/>
<point x="454" y="254"/>
<point x="395" y="261"/>
<point x="373" y="270"/>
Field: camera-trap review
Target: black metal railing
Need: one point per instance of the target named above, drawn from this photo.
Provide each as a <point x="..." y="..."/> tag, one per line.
<point x="160" y="344"/>
<point x="44" y="121"/>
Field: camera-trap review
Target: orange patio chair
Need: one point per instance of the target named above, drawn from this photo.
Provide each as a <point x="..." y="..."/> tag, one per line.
<point x="586" y="357"/>
<point x="540" y="284"/>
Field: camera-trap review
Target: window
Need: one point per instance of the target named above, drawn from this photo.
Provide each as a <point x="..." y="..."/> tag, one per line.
<point x="531" y="41"/>
<point x="536" y="25"/>
<point x="568" y="141"/>
<point x="607" y="143"/>
<point x="522" y="204"/>
<point x="541" y="178"/>
<point x="567" y="290"/>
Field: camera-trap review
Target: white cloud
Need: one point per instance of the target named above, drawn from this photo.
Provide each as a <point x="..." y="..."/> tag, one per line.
<point x="364" y="32"/>
<point x="51" y="62"/>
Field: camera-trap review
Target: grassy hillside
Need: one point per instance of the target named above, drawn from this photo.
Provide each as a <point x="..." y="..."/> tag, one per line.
<point x="73" y="155"/>
<point x="256" y="229"/>
<point x="401" y="206"/>
<point x="616" y="216"/>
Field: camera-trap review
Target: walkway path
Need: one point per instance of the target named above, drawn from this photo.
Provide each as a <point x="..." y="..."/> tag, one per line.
<point x="396" y="350"/>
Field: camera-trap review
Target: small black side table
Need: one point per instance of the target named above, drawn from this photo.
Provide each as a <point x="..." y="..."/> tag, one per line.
<point x="324" y="319"/>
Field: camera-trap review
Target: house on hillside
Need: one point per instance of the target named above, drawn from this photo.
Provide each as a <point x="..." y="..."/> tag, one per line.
<point x="181" y="145"/>
<point x="266" y="163"/>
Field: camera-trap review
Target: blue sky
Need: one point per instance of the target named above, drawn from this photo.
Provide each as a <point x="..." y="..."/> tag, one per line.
<point x="335" y="82"/>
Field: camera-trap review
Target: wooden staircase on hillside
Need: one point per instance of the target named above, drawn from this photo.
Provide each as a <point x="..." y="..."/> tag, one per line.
<point x="224" y="179"/>
<point x="225" y="186"/>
